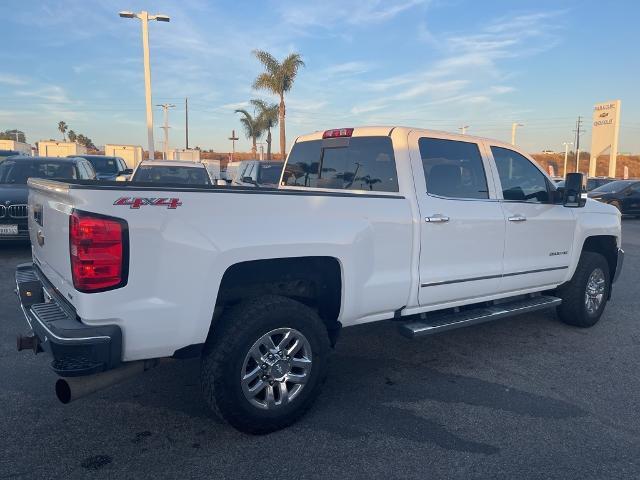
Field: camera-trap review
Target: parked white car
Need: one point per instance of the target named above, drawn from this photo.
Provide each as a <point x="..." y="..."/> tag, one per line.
<point x="230" y="172"/>
<point x="434" y="230"/>
<point x="258" y="173"/>
<point x="213" y="167"/>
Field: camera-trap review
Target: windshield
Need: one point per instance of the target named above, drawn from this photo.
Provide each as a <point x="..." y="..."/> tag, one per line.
<point x="104" y="165"/>
<point x="269" y="173"/>
<point x="17" y="172"/>
<point x="168" y="174"/>
<point x="612" y="187"/>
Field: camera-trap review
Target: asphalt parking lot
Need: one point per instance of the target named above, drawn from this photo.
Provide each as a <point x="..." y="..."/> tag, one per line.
<point x="526" y="397"/>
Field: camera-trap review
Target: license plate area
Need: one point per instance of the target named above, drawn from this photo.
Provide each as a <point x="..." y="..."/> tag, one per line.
<point x="8" y="229"/>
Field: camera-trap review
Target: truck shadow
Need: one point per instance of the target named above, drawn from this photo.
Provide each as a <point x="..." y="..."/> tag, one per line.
<point x="392" y="387"/>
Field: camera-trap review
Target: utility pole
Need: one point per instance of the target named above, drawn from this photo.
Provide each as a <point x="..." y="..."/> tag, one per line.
<point x="514" y="127"/>
<point x="186" y="123"/>
<point x="144" y="18"/>
<point x="165" y="127"/>
<point x="463" y="129"/>
<point x="233" y="139"/>
<point x="578" y="131"/>
<point x="566" y="156"/>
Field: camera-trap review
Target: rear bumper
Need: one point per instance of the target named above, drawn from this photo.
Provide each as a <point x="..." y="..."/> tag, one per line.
<point x="619" y="262"/>
<point x="77" y="349"/>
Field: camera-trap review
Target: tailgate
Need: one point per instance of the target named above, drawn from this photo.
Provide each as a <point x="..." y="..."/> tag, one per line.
<point x="50" y="206"/>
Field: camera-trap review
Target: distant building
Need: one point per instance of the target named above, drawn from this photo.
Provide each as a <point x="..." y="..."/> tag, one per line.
<point x="23" y="148"/>
<point x="51" y="148"/>
<point x="184" y="154"/>
<point x="132" y="154"/>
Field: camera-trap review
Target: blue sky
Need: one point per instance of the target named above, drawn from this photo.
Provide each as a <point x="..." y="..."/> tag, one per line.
<point x="426" y="63"/>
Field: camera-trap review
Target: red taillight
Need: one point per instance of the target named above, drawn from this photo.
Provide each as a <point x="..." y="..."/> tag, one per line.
<point x="97" y="247"/>
<point x="338" y="132"/>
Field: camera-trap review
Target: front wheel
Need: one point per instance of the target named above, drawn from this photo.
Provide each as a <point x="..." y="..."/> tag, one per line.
<point x="586" y="295"/>
<point x="265" y="364"/>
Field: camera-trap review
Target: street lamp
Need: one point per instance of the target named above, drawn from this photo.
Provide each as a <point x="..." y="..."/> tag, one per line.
<point x="165" y="108"/>
<point x="463" y="129"/>
<point x="514" y="127"/>
<point x="566" y="155"/>
<point x="144" y="18"/>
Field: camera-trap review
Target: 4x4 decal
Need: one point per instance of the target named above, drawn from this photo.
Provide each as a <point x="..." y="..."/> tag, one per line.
<point x="137" y="202"/>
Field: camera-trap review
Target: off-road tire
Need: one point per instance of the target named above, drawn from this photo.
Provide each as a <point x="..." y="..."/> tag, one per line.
<point x="225" y="351"/>
<point x="573" y="310"/>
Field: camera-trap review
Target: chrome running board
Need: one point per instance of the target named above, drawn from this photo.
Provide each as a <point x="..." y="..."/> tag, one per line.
<point x="441" y="322"/>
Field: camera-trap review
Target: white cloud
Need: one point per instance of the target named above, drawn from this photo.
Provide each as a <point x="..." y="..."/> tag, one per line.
<point x="331" y="14"/>
<point x="348" y="68"/>
<point x="13" y="80"/>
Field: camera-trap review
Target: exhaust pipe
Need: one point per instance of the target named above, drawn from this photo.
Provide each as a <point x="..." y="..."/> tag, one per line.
<point x="72" y="388"/>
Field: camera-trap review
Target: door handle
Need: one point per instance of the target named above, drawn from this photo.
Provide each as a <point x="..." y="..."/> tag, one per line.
<point x="40" y="237"/>
<point x="517" y="218"/>
<point x="437" y="218"/>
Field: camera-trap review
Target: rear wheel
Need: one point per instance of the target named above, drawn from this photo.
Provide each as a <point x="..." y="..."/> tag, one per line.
<point x="264" y="366"/>
<point x="586" y="295"/>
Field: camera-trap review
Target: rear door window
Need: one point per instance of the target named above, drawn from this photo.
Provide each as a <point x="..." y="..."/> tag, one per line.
<point x="354" y="163"/>
<point x="453" y="169"/>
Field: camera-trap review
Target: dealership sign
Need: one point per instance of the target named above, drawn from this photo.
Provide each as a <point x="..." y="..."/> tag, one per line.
<point x="604" y="134"/>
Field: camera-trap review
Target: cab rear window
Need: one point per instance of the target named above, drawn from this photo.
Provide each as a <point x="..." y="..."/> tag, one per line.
<point x="355" y="163"/>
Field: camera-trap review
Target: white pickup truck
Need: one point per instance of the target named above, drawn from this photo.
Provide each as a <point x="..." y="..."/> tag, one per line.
<point x="432" y="230"/>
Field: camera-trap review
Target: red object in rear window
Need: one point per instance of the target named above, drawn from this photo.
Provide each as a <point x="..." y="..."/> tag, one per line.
<point x="338" y="132"/>
<point x="99" y="252"/>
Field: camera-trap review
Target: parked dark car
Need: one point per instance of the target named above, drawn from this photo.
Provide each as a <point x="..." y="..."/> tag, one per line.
<point x="107" y="168"/>
<point x="14" y="192"/>
<point x="8" y="153"/>
<point x="592" y="182"/>
<point x="622" y="194"/>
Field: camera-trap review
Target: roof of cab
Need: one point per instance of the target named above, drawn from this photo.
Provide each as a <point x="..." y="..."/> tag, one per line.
<point x="46" y="159"/>
<point x="386" y="130"/>
<point x="171" y="163"/>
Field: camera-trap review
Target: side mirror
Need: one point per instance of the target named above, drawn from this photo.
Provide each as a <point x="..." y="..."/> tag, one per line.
<point x="126" y="171"/>
<point x="248" y="180"/>
<point x="575" y="195"/>
<point x="220" y="182"/>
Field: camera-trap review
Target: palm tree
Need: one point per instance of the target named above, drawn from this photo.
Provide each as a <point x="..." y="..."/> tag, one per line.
<point x="72" y="136"/>
<point x="252" y="128"/>
<point x="278" y="79"/>
<point x="62" y="126"/>
<point x="268" y="118"/>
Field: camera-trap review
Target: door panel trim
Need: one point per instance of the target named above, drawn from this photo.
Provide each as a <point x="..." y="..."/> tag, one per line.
<point x="489" y="277"/>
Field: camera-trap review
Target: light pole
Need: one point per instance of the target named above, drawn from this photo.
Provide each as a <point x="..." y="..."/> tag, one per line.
<point x="514" y="127"/>
<point x="233" y="139"/>
<point x="165" y="127"/>
<point x="144" y="20"/>
<point x="463" y="129"/>
<point x="566" y="156"/>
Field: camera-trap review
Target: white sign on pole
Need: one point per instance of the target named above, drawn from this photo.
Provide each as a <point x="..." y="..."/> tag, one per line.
<point x="604" y="134"/>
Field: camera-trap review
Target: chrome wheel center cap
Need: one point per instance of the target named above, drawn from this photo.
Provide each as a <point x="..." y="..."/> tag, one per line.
<point x="279" y="369"/>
